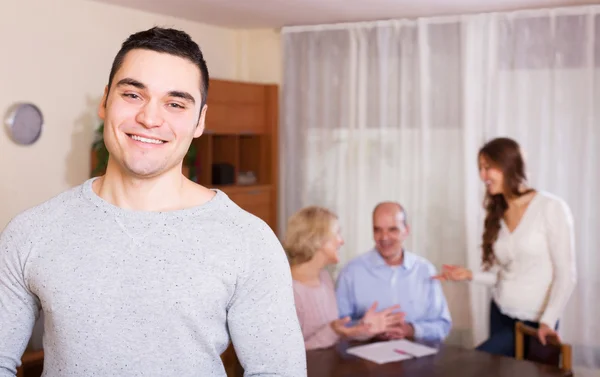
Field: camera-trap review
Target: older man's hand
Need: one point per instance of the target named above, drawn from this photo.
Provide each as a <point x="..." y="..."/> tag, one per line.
<point x="403" y="331"/>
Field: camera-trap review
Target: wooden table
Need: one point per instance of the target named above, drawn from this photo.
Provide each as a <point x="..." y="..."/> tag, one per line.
<point x="450" y="361"/>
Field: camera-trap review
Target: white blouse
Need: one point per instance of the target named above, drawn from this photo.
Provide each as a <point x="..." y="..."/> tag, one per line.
<point x="534" y="274"/>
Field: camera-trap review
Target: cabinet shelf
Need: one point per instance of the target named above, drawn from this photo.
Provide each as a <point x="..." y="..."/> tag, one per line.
<point x="231" y="160"/>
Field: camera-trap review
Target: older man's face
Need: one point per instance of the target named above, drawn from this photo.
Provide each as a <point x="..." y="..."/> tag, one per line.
<point x="389" y="232"/>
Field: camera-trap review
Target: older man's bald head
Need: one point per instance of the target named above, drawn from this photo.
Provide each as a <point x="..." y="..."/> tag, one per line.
<point x="390" y="208"/>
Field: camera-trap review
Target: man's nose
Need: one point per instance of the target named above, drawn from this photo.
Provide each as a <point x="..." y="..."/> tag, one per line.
<point x="150" y="115"/>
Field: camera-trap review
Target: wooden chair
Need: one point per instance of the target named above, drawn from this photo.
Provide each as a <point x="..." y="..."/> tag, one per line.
<point x="231" y="362"/>
<point x="229" y="358"/>
<point x="30" y="359"/>
<point x="554" y="353"/>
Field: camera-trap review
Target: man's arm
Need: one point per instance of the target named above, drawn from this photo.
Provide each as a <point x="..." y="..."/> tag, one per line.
<point x="344" y="297"/>
<point x="19" y="308"/>
<point x="437" y="324"/>
<point x="262" y="319"/>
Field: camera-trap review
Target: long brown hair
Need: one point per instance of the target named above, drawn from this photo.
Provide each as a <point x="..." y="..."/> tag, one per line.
<point x="504" y="154"/>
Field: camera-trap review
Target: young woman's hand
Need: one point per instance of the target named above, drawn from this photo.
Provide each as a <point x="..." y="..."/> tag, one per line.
<point x="454" y="273"/>
<point x="545" y="331"/>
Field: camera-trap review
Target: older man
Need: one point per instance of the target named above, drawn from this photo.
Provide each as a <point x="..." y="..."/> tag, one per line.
<point x="391" y="275"/>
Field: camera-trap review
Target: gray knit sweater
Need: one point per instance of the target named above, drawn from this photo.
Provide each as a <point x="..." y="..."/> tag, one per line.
<point x="130" y="293"/>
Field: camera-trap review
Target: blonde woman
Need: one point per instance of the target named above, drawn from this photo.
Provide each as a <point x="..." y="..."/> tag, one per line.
<point x="312" y="242"/>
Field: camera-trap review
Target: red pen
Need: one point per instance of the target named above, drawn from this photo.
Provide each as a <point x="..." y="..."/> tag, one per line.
<point x="403" y="353"/>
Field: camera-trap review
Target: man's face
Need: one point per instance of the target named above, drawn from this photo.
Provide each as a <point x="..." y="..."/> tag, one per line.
<point x="389" y="232"/>
<point x="152" y="113"/>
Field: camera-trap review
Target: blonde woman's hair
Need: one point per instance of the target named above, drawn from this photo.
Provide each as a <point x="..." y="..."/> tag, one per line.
<point x="306" y="231"/>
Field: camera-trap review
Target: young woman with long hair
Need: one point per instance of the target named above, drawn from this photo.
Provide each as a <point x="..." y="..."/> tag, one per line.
<point x="528" y="252"/>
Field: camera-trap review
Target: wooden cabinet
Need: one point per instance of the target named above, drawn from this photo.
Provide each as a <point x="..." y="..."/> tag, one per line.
<point x="239" y="108"/>
<point x="241" y="133"/>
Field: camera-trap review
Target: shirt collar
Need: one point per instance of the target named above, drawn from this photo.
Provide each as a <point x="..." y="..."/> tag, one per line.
<point x="377" y="261"/>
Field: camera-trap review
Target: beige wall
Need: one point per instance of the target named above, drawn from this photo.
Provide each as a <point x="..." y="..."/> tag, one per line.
<point x="57" y="54"/>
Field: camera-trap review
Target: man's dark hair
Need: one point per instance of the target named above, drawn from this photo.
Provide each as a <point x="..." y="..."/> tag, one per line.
<point x="168" y="41"/>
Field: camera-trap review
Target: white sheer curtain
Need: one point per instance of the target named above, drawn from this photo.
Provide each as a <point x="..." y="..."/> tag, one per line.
<point x="397" y="110"/>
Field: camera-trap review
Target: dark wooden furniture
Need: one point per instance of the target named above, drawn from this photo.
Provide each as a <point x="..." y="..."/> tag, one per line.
<point x="32" y="363"/>
<point x="528" y="347"/>
<point x="242" y="132"/>
<point x="450" y="361"/>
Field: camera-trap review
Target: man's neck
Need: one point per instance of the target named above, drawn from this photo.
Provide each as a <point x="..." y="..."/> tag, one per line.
<point x="163" y="193"/>
<point x="396" y="260"/>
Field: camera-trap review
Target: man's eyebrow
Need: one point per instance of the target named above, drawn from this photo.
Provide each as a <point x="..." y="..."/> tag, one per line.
<point x="132" y="82"/>
<point x="173" y="93"/>
<point x="183" y="95"/>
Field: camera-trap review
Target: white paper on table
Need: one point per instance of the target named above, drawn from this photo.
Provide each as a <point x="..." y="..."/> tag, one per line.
<point x="391" y="351"/>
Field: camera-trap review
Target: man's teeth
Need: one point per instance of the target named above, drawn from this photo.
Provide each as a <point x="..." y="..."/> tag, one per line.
<point x="146" y="140"/>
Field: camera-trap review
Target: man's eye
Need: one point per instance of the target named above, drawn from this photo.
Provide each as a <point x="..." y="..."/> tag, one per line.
<point x="176" y="105"/>
<point x="131" y="95"/>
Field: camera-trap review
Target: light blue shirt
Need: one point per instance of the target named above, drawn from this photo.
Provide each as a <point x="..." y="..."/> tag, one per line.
<point x="368" y="278"/>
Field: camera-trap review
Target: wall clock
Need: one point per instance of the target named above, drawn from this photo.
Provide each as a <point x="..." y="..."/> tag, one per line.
<point x="24" y="123"/>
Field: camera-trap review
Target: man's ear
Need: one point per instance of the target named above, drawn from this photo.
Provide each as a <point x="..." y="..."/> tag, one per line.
<point x="102" y="104"/>
<point x="201" y="122"/>
<point x="406" y="230"/>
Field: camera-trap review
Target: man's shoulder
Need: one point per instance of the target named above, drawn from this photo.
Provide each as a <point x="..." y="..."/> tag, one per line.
<point x="233" y="217"/>
<point x="420" y="262"/>
<point x="46" y="213"/>
<point x="240" y="226"/>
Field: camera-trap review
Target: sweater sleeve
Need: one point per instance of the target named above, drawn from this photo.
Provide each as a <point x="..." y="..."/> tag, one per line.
<point x="488" y="278"/>
<point x="262" y="315"/>
<point x="561" y="241"/>
<point x="19" y="308"/>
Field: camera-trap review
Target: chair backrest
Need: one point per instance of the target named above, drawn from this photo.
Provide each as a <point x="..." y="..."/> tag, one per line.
<point x="231" y="362"/>
<point x="30" y="358"/>
<point x="229" y="358"/>
<point x="555" y="352"/>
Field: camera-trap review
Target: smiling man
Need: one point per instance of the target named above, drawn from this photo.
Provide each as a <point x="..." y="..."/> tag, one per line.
<point x="141" y="271"/>
<point x="391" y="275"/>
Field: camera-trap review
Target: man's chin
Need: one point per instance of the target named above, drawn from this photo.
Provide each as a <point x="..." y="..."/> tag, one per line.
<point x="388" y="253"/>
<point x="144" y="172"/>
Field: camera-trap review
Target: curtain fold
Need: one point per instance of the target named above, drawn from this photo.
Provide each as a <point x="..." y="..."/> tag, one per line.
<point x="397" y="110"/>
